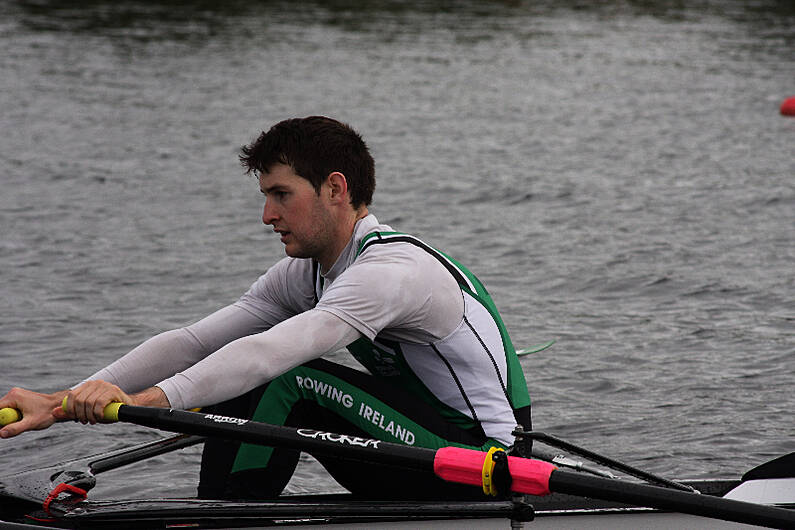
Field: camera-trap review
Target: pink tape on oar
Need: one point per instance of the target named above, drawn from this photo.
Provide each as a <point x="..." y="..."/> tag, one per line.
<point x="465" y="466"/>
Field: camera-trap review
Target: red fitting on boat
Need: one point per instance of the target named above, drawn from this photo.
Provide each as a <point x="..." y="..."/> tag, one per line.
<point x="465" y="466"/>
<point x="63" y="488"/>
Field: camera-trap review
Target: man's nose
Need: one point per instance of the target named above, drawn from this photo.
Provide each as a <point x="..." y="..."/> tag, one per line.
<point x="269" y="213"/>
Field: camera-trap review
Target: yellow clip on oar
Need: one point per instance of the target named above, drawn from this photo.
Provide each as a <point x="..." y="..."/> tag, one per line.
<point x="9" y="415"/>
<point x="489" y="487"/>
<point x="109" y="413"/>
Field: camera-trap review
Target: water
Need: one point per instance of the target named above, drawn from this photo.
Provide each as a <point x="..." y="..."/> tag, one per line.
<point x="617" y="173"/>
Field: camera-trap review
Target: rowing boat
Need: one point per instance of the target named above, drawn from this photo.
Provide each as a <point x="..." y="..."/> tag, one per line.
<point x="553" y="491"/>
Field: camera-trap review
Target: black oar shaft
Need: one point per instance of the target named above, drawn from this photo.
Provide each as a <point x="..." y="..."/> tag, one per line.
<point x="670" y="500"/>
<point x="309" y="440"/>
<point x="368" y="450"/>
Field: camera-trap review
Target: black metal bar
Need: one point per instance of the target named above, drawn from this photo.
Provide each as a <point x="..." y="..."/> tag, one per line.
<point x="285" y="508"/>
<point x="142" y="452"/>
<point x="671" y="500"/>
<point x="34" y="485"/>
<point x="606" y="461"/>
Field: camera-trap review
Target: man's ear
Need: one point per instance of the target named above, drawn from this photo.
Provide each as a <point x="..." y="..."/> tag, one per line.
<point x="337" y="186"/>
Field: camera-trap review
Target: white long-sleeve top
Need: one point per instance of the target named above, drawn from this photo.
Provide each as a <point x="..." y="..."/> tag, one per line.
<point x="285" y="319"/>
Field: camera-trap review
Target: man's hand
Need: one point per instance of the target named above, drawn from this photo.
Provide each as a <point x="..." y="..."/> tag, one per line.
<point x="87" y="402"/>
<point x="84" y="404"/>
<point x="36" y="410"/>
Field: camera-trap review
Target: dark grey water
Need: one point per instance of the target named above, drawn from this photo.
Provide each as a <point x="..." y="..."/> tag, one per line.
<point x="616" y="172"/>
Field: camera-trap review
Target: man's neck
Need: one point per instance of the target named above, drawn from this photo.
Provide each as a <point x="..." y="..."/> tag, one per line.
<point x="347" y="227"/>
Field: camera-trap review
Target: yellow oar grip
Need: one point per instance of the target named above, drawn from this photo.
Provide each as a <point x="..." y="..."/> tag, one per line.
<point x="9" y="415"/>
<point x="109" y="413"/>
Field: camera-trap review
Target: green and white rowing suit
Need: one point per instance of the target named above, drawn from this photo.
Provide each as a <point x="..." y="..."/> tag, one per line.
<point x="428" y="324"/>
<point x="442" y="369"/>
<point x="471" y="375"/>
<point x="429" y="384"/>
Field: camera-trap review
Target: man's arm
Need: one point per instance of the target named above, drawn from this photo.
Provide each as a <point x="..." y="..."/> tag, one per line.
<point x="130" y="378"/>
<point x="254" y="360"/>
<point x="172" y="351"/>
<point x="229" y="372"/>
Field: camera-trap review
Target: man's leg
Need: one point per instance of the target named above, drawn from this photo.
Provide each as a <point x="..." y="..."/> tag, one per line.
<point x="325" y="396"/>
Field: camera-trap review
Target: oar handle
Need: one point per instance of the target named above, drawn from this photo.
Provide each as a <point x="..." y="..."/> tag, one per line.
<point x="110" y="413"/>
<point x="9" y="415"/>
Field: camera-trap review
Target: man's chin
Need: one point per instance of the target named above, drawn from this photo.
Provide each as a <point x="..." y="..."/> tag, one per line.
<point x="296" y="252"/>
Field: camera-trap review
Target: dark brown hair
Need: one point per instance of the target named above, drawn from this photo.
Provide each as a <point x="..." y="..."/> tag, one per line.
<point x="315" y="147"/>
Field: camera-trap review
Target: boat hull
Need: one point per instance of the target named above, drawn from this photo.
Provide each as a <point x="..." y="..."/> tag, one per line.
<point x="551" y="511"/>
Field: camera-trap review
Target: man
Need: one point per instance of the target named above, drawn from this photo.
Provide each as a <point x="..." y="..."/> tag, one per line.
<point x="442" y="370"/>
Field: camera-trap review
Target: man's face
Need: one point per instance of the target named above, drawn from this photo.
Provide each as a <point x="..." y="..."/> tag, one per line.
<point x="299" y="215"/>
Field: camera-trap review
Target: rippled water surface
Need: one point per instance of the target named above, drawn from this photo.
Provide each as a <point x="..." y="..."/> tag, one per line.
<point x="616" y="172"/>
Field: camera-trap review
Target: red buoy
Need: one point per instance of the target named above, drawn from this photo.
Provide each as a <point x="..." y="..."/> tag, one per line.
<point x="788" y="107"/>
